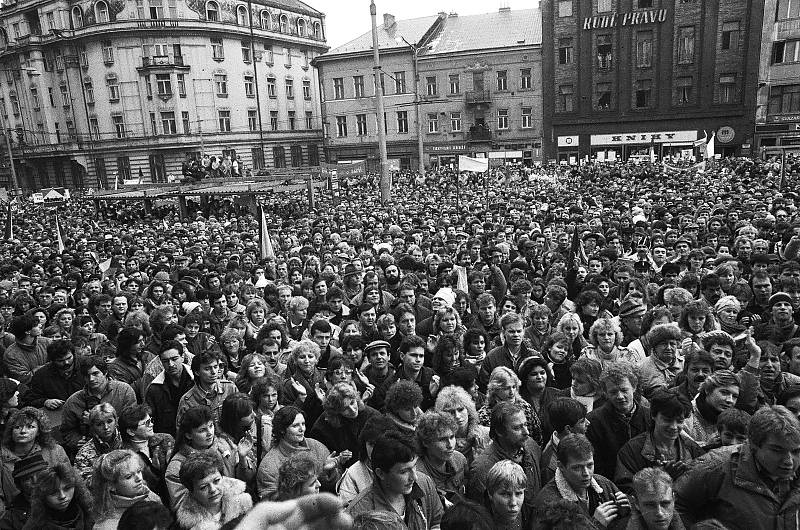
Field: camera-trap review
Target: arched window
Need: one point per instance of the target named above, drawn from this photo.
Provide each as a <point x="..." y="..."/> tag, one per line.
<point x="265" y="19"/>
<point x="77" y="17"/>
<point x="212" y="11"/>
<point x="284" y="24"/>
<point x="317" y="30"/>
<point x="101" y="11"/>
<point x="241" y="16"/>
<point x="3" y="39"/>
<point x="301" y="27"/>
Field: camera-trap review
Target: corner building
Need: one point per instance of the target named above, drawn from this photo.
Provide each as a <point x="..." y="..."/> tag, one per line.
<point x="94" y="90"/>
<point x="624" y="77"/>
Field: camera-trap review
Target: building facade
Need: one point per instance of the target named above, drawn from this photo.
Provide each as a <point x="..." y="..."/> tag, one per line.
<point x="627" y="78"/>
<point x="778" y="112"/>
<point x="467" y="85"/>
<point x="98" y="90"/>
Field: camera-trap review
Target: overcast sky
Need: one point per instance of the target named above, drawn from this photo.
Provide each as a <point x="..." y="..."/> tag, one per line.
<point x="347" y="19"/>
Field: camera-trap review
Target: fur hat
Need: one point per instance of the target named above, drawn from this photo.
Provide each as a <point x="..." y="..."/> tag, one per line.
<point x="662" y="333"/>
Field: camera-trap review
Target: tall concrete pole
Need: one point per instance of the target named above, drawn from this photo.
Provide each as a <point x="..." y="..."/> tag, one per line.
<point x="418" y="111"/>
<point x="385" y="183"/>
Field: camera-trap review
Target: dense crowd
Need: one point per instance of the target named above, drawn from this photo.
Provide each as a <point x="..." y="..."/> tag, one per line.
<point x="603" y="346"/>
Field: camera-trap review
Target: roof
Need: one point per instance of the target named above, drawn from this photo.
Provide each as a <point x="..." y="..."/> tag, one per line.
<point x="500" y="29"/>
<point x="411" y="30"/>
<point x="294" y="5"/>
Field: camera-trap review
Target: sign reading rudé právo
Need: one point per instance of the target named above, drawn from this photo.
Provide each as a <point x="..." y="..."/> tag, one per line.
<point x="637" y="18"/>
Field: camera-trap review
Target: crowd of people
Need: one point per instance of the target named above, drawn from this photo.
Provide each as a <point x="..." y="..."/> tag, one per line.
<point x="603" y="346"/>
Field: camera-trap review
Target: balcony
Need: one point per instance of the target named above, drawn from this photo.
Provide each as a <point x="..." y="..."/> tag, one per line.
<point x="479" y="133"/>
<point x="163" y="61"/>
<point x="478" y="97"/>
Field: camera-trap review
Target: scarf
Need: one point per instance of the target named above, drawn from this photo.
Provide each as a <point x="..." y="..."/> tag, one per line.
<point x="566" y="491"/>
<point x="731" y="329"/>
<point x="588" y="401"/>
<point x="447" y="479"/>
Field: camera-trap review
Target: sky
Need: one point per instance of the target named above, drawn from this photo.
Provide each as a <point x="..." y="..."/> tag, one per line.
<point x="347" y="19"/>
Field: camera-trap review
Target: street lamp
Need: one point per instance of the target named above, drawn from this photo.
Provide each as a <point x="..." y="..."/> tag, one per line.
<point x="417" y="113"/>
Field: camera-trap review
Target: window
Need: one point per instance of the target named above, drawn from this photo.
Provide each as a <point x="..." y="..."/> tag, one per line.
<point x="564" y="8"/>
<point x="644" y="49"/>
<point x="402" y="122"/>
<point x="786" y="52"/>
<point x="730" y="36"/>
<point x="644" y="4"/>
<point x="65" y="99"/>
<point x="341" y="126"/>
<point x="433" y="123"/>
<point x="59" y="64"/>
<point x="224" y="120"/>
<point x="252" y="119"/>
<point x="361" y="124"/>
<point x="338" y="88"/>
<point x="306" y="59"/>
<point x="266" y="22"/>
<point x="383" y="84"/>
<point x="123" y="167"/>
<point x="455" y="122"/>
<point x="212" y="11"/>
<point x="221" y="85"/>
<point x="283" y="23"/>
<point x="273" y="120"/>
<point x="241" y="15"/>
<point x="57" y="132"/>
<point x="246" y="55"/>
<point x="604" y="51"/>
<point x="301" y="27"/>
<point x="113" y="88"/>
<point x="603" y="96"/>
<point x="257" y="154"/>
<point x="153" y="124"/>
<point x="784" y="99"/>
<point x="317" y="35"/>
<point x="249" y="86"/>
<point x="727" y="88"/>
<point x="603" y="6"/>
<point x="186" y="124"/>
<point x="108" y="52"/>
<point x="287" y="54"/>
<point x="271" y="90"/>
<point x="527" y="118"/>
<point x="565" y="50"/>
<point x="292" y="120"/>
<point x="455" y="85"/>
<point x="15" y="108"/>
<point x="101" y="11"/>
<point x="182" y="85"/>
<point x="217" y="52"/>
<point x="309" y="120"/>
<point x="644" y="92"/>
<point x="83" y="57"/>
<point x="684" y="86"/>
<point x="430" y="86"/>
<point x="525" y="79"/>
<point x="164" y="84"/>
<point x="502" y="119"/>
<point x="173" y="8"/>
<point x="168" y="123"/>
<point x="35" y="98"/>
<point x="279" y="156"/>
<point x="399" y="82"/>
<point x="148" y="86"/>
<point x="686" y="45"/>
<point x="788" y="9"/>
<point x="77" y="17"/>
<point x="502" y="80"/>
<point x="269" y="55"/>
<point x="51" y="21"/>
<point x="306" y="89"/>
<point x="289" y="89"/>
<point x="565" y="98"/>
<point x="156" y="8"/>
<point x="358" y="86"/>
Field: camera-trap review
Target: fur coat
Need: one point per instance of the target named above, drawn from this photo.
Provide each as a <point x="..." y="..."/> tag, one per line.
<point x="235" y="503"/>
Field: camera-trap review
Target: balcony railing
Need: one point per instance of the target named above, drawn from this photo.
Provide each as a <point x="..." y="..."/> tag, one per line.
<point x="163" y="60"/>
<point x="475" y="97"/>
<point x="479" y="133"/>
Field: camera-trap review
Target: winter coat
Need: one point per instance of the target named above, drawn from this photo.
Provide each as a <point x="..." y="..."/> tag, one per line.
<point x="423" y="508"/>
<point x="341" y="434"/>
<point x="73" y="431"/>
<point x="213" y="400"/>
<point x="311" y="405"/>
<point x="48" y="383"/>
<point x="163" y="400"/>
<point x="640" y="453"/>
<point x="609" y="431"/>
<point x="77" y="517"/>
<point x="21" y="360"/>
<point x="601" y="490"/>
<point x="529" y="459"/>
<point x="235" y="503"/>
<point x="110" y="521"/>
<point x="52" y="455"/>
<point x="731" y="490"/>
<point x="267" y="478"/>
<point x="177" y="492"/>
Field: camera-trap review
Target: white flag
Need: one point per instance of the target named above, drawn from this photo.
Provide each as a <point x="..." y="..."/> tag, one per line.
<point x="466" y="163"/>
<point x="710" y="146"/>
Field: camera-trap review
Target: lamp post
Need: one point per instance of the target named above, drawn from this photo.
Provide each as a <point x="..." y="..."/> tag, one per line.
<point x="7" y="129"/>
<point x="385" y="183"/>
<point x="417" y="112"/>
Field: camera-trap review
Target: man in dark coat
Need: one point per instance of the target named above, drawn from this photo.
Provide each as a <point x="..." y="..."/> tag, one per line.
<point x="57" y="380"/>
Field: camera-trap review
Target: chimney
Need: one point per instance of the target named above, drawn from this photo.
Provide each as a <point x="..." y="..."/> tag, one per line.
<point x="388" y="21"/>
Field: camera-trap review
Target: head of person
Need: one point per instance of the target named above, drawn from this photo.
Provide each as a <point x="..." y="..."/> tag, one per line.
<point x="342" y="401"/>
<point x="254" y="366"/>
<point x="720" y="390"/>
<point x="655" y="498"/>
<point x="456" y="401"/>
<point x="508" y="425"/>
<point x="676" y="299"/>
<point x="171" y="356"/>
<point x="25" y="326"/>
<point x="297" y="476"/>
<point x="570" y="325"/>
<point x="146" y="515"/>
<point x="506" y="483"/>
<point x="669" y="409"/>
<point x="575" y="456"/>
<point x="266" y="393"/>
<point x="567" y="416"/>
<point x="697" y="366"/>
<point x="374" y="429"/>
<point x="305" y="356"/>
<point x="196" y="429"/>
<point x="664" y="340"/>
<point x="436" y="436"/>
<point x="774" y="438"/>
<point x="403" y="400"/>
<point x="57" y="488"/>
<point x="586" y="374"/>
<point x="719" y="345"/>
<point x="205" y="367"/>
<point x="732" y="425"/>
<point x="321" y="333"/>
<point x="289" y="426"/>
<point x="236" y="416"/>
<point x="696" y="317"/>
<point x="103" y="422"/>
<point x="116" y="474"/>
<point x="394" y="461"/>
<point x="503" y="386"/>
<point x="620" y="381"/>
<point x="353" y="348"/>
<point x="446" y="320"/>
<point x="61" y="353"/>
<point x="605" y="334"/>
<point x="446" y="353"/>
<point x="26" y="426"/>
<point x="534" y="373"/>
<point x="136" y="423"/>
<point x="202" y="476"/>
<point x="466" y="515"/>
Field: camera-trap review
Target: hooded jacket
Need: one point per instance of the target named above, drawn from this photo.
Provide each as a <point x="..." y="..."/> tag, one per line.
<point x="235" y="503"/>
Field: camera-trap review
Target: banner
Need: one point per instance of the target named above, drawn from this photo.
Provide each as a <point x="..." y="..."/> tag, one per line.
<point x="356" y="169"/>
<point x="710" y="146"/>
<point x="466" y="163"/>
<point x="265" y="243"/>
<point x="9" y="223"/>
<point x="60" y="236"/>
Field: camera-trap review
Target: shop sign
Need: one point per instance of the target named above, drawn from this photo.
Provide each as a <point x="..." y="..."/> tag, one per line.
<point x="726" y="134"/>
<point x="783" y="118"/>
<point x="638" y="18"/>
<point x="568" y="141"/>
<point x="446" y="148"/>
<point x="665" y="137"/>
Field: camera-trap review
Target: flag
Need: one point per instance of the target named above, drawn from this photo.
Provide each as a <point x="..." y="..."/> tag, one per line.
<point x="60" y="237"/>
<point x="310" y="194"/>
<point x="573" y="251"/>
<point x="105" y="265"/>
<point x="9" y="223"/>
<point x="265" y="243"/>
<point x="652" y="154"/>
<point x="466" y="163"/>
<point x="702" y="141"/>
<point x="710" y="146"/>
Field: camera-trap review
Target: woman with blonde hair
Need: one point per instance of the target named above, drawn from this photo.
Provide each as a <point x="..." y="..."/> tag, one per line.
<point x="504" y="386"/>
<point x="103" y="426"/>
<point x="472" y="438"/>
<point x="605" y="337"/>
<point x="305" y="383"/>
<point x="571" y="325"/>
<point x="118" y="484"/>
<point x="254" y="367"/>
